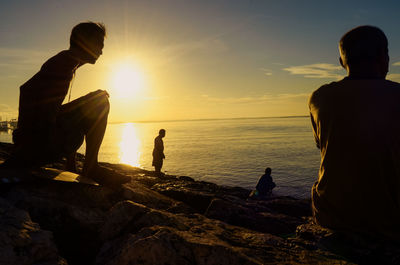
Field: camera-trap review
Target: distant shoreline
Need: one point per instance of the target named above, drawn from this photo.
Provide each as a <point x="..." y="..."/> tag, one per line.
<point x="210" y="119"/>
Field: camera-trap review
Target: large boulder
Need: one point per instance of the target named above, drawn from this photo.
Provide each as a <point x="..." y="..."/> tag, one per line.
<point x="165" y="245"/>
<point x="197" y="194"/>
<point x="136" y="234"/>
<point x="241" y="214"/>
<point x="72" y="212"/>
<point x="359" y="248"/>
<point x="137" y="192"/>
<point x="22" y="241"/>
<point x="128" y="216"/>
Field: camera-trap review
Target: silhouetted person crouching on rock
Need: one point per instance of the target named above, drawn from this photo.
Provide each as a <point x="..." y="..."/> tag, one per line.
<point x="357" y="129"/>
<point x="264" y="186"/>
<point x="48" y="130"/>
<point x="158" y="152"/>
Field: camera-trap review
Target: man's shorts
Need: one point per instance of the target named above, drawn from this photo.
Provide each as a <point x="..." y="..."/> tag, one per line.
<point x="74" y="121"/>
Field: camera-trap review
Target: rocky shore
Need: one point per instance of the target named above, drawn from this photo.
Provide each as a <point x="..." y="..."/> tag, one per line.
<point x="166" y="220"/>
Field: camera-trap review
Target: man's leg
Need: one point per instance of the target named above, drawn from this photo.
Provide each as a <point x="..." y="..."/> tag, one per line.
<point x="158" y="166"/>
<point x="88" y="116"/>
<point x="85" y="117"/>
<point x="97" y="111"/>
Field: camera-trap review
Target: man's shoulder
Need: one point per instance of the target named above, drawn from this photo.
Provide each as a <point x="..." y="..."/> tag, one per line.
<point x="63" y="59"/>
<point x="345" y="85"/>
<point x="391" y="84"/>
<point x="323" y="91"/>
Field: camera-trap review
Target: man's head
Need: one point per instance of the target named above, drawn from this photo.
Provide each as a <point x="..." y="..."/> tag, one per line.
<point x="161" y="132"/>
<point x="268" y="171"/>
<point x="365" y="49"/>
<point x="87" y="39"/>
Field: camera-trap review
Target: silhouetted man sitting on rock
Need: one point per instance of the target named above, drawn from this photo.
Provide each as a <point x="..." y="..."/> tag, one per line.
<point x="356" y="127"/>
<point x="48" y="130"/>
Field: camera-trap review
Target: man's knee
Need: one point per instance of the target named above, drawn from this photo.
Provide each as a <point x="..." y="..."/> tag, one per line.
<point x="98" y="104"/>
<point x="103" y="102"/>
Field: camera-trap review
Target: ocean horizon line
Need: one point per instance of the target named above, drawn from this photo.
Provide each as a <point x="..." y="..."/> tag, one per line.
<point x="210" y="119"/>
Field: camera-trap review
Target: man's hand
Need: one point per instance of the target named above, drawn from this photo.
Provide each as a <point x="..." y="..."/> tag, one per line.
<point x="102" y="92"/>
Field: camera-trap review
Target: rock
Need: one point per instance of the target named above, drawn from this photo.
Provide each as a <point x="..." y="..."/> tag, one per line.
<point x="361" y="249"/>
<point x="284" y="205"/>
<point x="128" y="216"/>
<point x="139" y="193"/>
<point x="168" y="246"/>
<point x="160" y="220"/>
<point x="186" y="178"/>
<point x="73" y="213"/>
<point x="22" y="241"/>
<point x="241" y="215"/>
<point x="194" y="194"/>
<point x="197" y="194"/>
<point x="146" y="236"/>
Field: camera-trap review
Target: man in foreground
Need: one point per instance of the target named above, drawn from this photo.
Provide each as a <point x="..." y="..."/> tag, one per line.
<point x="48" y="130"/>
<point x="356" y="127"/>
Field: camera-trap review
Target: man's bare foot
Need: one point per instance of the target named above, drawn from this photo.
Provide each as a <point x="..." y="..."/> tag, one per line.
<point x="70" y="164"/>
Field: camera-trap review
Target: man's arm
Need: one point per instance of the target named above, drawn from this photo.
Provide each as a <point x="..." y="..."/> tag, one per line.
<point x="315" y="132"/>
<point x="311" y="106"/>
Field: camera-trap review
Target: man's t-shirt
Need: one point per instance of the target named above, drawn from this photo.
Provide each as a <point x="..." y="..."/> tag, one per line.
<point x="41" y="98"/>
<point x="265" y="185"/>
<point x="158" y="151"/>
<point x="356" y="125"/>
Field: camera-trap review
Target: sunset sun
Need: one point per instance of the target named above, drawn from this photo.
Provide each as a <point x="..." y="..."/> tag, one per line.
<point x="127" y="81"/>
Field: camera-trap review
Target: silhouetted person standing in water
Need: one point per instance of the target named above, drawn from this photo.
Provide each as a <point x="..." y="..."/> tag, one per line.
<point x="158" y="151"/>
<point x="48" y="130"/>
<point x="356" y="127"/>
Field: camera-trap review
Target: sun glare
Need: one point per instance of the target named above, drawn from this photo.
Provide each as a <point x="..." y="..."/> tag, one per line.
<point x="129" y="146"/>
<point x="127" y="81"/>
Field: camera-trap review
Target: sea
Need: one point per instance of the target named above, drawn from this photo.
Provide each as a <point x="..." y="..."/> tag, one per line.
<point x="231" y="152"/>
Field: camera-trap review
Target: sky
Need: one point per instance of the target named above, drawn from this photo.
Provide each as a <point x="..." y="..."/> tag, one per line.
<point x="175" y="60"/>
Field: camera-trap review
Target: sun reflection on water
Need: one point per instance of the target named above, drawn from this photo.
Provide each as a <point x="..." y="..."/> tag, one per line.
<point x="129" y="147"/>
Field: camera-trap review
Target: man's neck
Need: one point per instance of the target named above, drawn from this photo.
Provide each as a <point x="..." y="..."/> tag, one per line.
<point x="365" y="76"/>
<point x="374" y="71"/>
<point x="74" y="53"/>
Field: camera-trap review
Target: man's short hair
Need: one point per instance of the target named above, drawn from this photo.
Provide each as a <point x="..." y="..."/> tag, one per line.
<point x="364" y="44"/>
<point x="268" y="171"/>
<point x="85" y="33"/>
<point x="161" y="131"/>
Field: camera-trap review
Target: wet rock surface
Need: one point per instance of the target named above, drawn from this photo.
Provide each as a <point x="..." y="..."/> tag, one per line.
<point x="163" y="220"/>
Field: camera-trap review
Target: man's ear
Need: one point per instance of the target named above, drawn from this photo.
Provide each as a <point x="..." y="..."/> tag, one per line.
<point x="341" y="63"/>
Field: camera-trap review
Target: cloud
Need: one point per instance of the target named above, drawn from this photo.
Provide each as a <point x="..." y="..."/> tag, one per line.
<point x="180" y="50"/>
<point x="318" y="70"/>
<point x="267" y="72"/>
